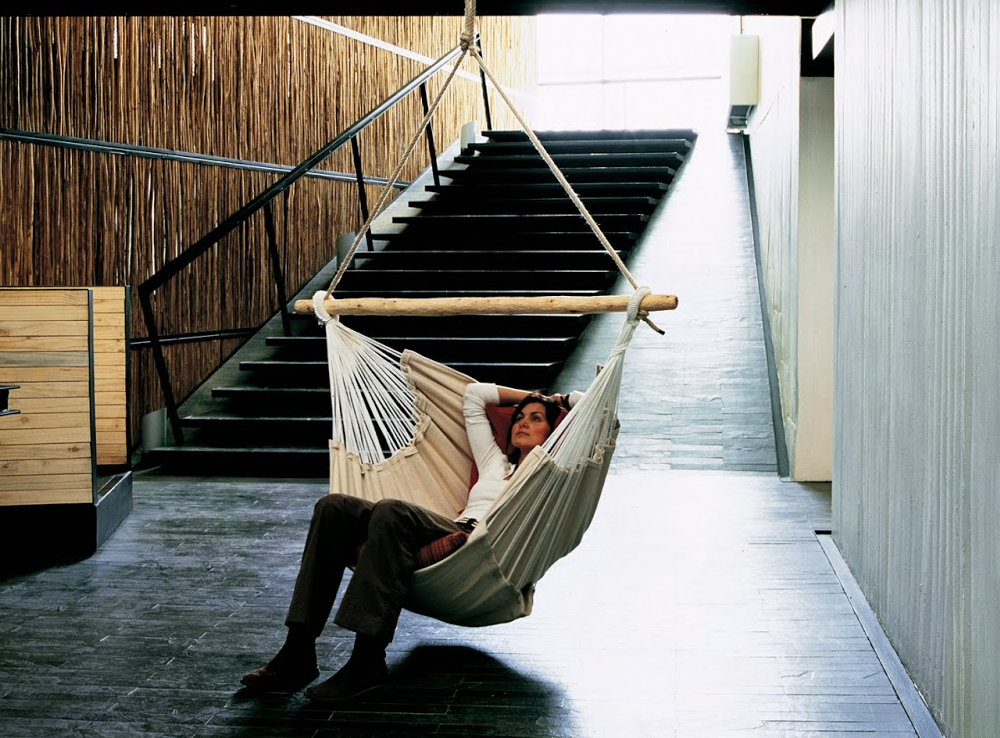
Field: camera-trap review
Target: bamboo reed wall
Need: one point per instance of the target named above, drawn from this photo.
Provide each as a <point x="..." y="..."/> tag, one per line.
<point x="263" y="89"/>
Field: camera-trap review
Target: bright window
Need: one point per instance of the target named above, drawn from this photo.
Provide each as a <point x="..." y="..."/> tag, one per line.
<point x="632" y="71"/>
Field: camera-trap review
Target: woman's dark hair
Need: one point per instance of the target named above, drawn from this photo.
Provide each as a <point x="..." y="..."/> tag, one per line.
<point x="552" y="411"/>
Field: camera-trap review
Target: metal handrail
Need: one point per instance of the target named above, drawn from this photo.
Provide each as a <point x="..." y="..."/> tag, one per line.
<point x="173" y="267"/>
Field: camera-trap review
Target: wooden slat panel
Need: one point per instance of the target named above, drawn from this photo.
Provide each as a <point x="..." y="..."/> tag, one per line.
<point x="19" y="375"/>
<point x="114" y="384"/>
<point x="49" y="404"/>
<point x="64" y="420"/>
<point x="16" y="312"/>
<point x="44" y="435"/>
<point x="104" y="322"/>
<point x="109" y="306"/>
<point x="109" y="409"/>
<point x="44" y="358"/>
<point x="44" y="466"/>
<point x="43" y="297"/>
<point x="110" y="424"/>
<point x="108" y="346"/>
<point x="110" y="372"/>
<point x="112" y="448"/>
<point x="44" y="343"/>
<point x="77" y="491"/>
<point x="75" y="484"/>
<point x="40" y="390"/>
<point x="43" y="327"/>
<point x="45" y="451"/>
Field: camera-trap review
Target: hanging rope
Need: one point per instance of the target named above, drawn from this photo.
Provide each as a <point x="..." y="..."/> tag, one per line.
<point x="404" y="157"/>
<point x="561" y="178"/>
<point x="468" y="47"/>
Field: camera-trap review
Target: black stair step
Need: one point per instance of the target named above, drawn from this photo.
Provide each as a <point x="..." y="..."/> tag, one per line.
<point x="190" y="448"/>
<point x="418" y="240"/>
<point x="232" y="431"/>
<point x="472" y="191"/>
<point x="596" y="135"/>
<point x="276" y="373"/>
<point x="257" y="461"/>
<point x="533" y="376"/>
<point x="385" y="280"/>
<point x="393" y="258"/>
<point x="635" y="145"/>
<point x="570" y="161"/>
<point x="552" y="205"/>
<point x="504" y="326"/>
<point x="569" y="223"/>
<point x="572" y="174"/>
<point x="272" y="401"/>
<point x="511" y="292"/>
<point x="444" y="348"/>
<point x="235" y="430"/>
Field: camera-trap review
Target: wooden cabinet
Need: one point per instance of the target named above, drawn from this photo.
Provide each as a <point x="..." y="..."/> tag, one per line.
<point x="65" y="349"/>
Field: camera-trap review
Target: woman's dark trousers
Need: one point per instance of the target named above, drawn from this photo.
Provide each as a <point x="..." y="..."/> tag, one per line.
<point x="392" y="531"/>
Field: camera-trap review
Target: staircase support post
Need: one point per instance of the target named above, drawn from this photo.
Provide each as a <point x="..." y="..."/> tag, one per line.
<point x="362" y="195"/>
<point x="430" y="136"/>
<point x="482" y="77"/>
<point x="279" y="279"/>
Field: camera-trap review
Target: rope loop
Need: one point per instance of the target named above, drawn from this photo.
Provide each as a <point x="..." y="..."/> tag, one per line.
<point x="634" y="302"/>
<point x="319" y="309"/>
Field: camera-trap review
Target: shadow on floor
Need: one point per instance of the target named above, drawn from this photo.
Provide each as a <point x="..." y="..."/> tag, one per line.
<point x="439" y="689"/>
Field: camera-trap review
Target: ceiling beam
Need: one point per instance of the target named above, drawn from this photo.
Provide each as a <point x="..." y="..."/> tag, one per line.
<point x="807" y="8"/>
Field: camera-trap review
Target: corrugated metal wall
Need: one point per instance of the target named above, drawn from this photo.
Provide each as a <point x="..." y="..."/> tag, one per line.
<point x="917" y="389"/>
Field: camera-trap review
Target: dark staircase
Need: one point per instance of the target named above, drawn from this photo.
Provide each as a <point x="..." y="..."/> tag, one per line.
<point x="498" y="224"/>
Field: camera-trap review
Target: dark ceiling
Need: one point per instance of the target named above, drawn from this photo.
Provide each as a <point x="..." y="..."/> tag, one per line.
<point x="418" y="7"/>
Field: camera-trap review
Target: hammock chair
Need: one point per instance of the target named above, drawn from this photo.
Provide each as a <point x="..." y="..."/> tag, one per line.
<point x="399" y="431"/>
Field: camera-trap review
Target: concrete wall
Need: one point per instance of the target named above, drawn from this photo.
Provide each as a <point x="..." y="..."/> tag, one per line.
<point x="791" y="141"/>
<point x="917" y="368"/>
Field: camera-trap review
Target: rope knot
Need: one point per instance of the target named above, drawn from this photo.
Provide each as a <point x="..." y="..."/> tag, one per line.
<point x="469" y="29"/>
<point x="634" y="302"/>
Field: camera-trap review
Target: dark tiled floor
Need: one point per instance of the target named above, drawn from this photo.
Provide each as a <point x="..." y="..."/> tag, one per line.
<point x="699" y="605"/>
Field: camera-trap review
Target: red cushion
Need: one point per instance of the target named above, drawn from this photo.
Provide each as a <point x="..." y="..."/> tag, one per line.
<point x="500" y="419"/>
<point x="434" y="551"/>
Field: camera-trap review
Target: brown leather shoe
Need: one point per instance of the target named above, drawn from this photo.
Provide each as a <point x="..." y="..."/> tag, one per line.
<point x="280" y="676"/>
<point x="352" y="682"/>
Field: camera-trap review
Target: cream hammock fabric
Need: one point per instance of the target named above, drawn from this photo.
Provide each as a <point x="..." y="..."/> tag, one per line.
<point x="413" y="406"/>
<point x="416" y="403"/>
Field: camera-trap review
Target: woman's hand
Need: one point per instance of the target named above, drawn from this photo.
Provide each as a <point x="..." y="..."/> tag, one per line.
<point x="560" y="400"/>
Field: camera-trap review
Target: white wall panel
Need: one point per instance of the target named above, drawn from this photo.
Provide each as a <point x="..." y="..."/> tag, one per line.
<point x="774" y="148"/>
<point x="791" y="141"/>
<point x="917" y="341"/>
<point x="813" y="457"/>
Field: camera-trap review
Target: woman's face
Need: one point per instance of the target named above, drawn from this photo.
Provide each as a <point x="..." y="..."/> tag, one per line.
<point x="530" y="428"/>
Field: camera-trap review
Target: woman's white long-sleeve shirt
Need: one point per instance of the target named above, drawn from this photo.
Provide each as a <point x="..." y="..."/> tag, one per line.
<point x="493" y="466"/>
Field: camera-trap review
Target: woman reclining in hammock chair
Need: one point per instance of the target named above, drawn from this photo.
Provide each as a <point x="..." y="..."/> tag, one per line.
<point x="392" y="532"/>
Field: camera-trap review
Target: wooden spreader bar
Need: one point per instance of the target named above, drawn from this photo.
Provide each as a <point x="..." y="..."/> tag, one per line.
<point x="437" y="306"/>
